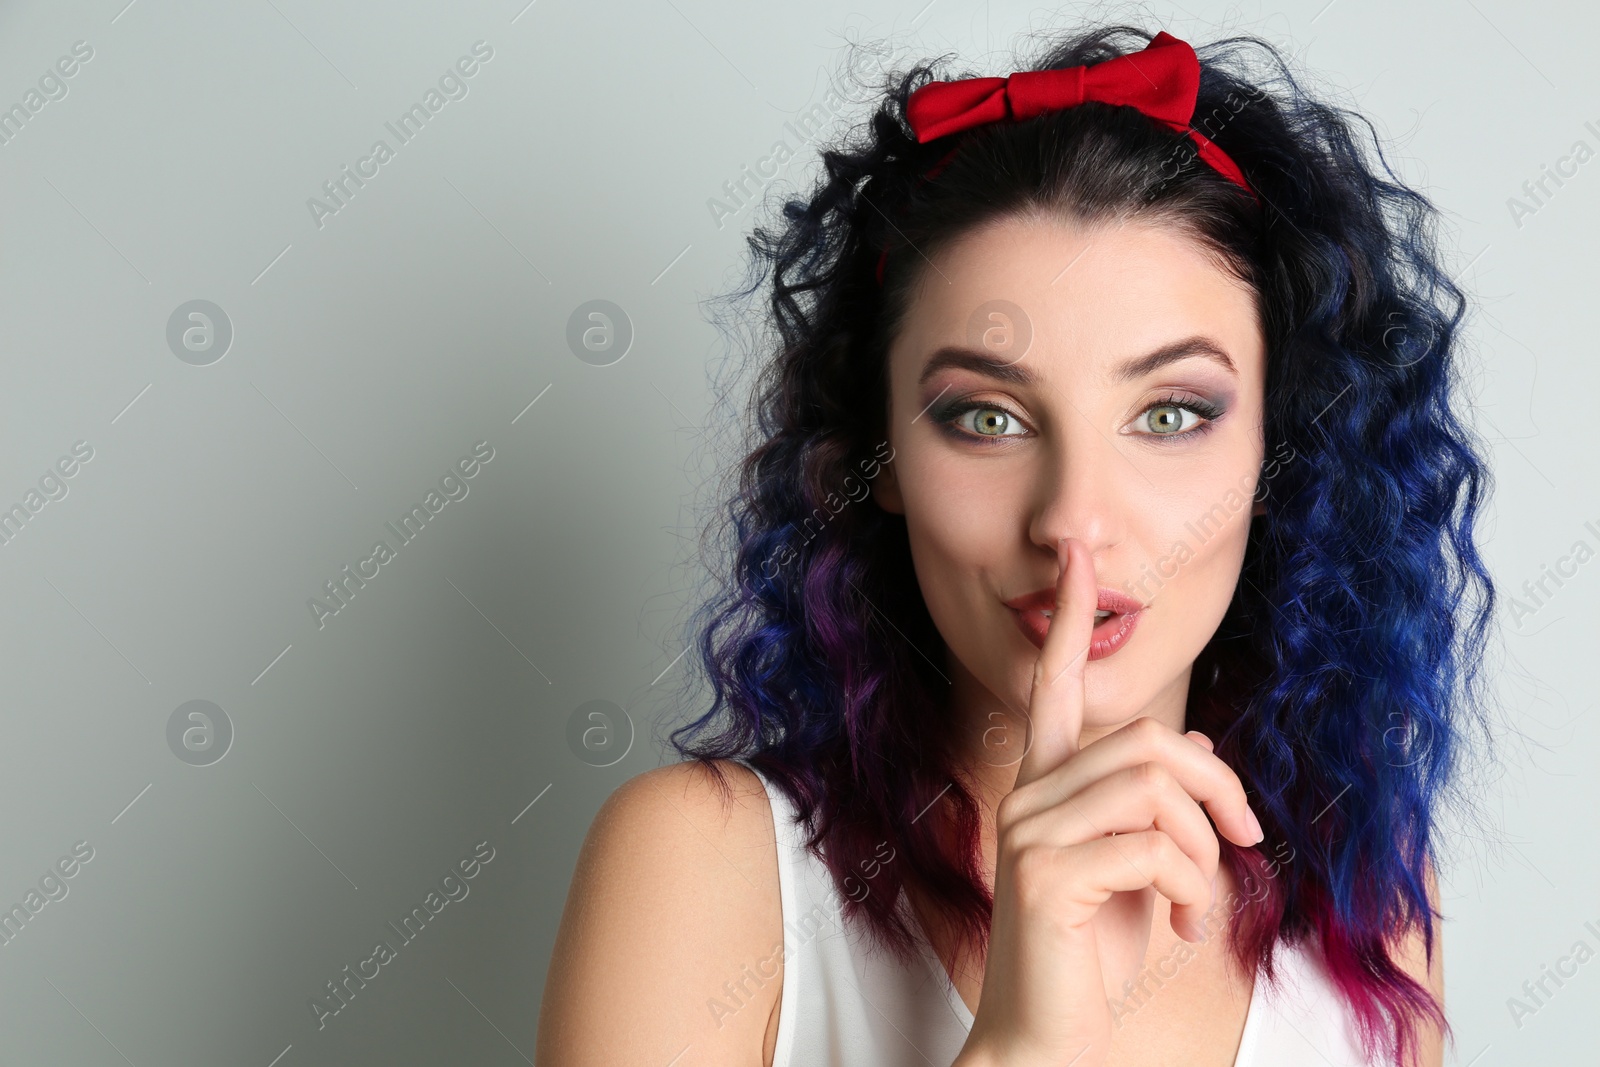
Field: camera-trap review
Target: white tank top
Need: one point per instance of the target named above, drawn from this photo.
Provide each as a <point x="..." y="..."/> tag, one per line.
<point x="848" y="1002"/>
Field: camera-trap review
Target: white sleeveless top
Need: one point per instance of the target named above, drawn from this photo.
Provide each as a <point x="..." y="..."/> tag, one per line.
<point x="847" y="1002"/>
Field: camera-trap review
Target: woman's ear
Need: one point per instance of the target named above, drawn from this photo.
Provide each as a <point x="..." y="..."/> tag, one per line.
<point x="886" y="490"/>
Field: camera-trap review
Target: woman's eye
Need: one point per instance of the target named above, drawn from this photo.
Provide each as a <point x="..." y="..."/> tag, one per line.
<point x="1168" y="420"/>
<point x="988" y="422"/>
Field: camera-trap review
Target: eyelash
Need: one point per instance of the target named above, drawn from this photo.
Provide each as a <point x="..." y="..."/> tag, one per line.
<point x="1204" y="408"/>
<point x="947" y="416"/>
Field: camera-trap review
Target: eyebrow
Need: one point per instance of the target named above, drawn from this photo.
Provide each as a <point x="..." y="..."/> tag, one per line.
<point x="1015" y="374"/>
<point x="1185" y="348"/>
<point x="978" y="362"/>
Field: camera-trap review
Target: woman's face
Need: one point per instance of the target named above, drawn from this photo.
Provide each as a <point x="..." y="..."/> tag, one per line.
<point x="1104" y="384"/>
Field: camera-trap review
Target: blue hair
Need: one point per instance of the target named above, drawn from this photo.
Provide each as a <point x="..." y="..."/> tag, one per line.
<point x="1343" y="680"/>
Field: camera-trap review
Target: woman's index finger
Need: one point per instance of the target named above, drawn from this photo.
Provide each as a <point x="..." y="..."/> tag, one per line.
<point x="1055" y="706"/>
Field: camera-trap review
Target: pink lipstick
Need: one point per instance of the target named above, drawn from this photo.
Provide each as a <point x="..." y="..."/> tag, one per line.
<point x="1119" y="614"/>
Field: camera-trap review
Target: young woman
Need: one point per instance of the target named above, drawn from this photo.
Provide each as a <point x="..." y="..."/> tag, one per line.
<point x="1103" y="608"/>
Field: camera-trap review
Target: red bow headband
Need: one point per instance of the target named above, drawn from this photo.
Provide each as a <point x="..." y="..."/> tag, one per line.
<point x="1162" y="80"/>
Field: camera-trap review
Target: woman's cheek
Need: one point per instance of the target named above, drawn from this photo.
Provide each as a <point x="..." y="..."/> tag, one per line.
<point x="978" y="513"/>
<point x="1203" y="551"/>
<point x="962" y="524"/>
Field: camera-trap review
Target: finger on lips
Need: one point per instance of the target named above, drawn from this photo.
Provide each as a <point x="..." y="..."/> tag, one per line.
<point x="1055" y="705"/>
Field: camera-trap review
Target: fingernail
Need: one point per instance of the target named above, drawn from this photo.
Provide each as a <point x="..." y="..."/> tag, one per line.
<point x="1255" y="824"/>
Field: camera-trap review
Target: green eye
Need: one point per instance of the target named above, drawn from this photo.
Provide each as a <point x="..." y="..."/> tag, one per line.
<point x="990" y="422"/>
<point x="969" y="419"/>
<point x="1166" y="419"/>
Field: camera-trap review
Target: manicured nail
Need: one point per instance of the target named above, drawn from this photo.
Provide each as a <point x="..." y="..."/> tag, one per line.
<point x="1255" y="824"/>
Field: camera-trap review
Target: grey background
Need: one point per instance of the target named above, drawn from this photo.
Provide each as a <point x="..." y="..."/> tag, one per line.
<point x="369" y="354"/>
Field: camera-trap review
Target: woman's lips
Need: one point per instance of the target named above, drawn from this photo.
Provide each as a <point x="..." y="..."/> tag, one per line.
<point x="1109" y="634"/>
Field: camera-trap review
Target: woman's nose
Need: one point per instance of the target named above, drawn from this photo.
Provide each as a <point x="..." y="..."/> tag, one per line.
<point x="1082" y="491"/>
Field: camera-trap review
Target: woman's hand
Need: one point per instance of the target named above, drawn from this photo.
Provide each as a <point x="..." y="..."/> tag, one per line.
<point x="1073" y="905"/>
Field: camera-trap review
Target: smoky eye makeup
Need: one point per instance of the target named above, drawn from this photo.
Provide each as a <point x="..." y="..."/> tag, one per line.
<point x="975" y="419"/>
<point x="1177" y="415"/>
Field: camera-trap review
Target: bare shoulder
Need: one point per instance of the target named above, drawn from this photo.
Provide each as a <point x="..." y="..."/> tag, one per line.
<point x="674" y="895"/>
<point x="693" y="787"/>
<point x="696" y="829"/>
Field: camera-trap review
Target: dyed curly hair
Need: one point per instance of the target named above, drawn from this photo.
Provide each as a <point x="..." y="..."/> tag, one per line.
<point x="1343" y="679"/>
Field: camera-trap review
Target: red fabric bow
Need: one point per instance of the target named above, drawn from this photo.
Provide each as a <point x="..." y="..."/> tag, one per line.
<point x="1162" y="80"/>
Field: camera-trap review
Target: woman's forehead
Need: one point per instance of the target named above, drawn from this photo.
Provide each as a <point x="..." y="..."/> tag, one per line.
<point x="1091" y="295"/>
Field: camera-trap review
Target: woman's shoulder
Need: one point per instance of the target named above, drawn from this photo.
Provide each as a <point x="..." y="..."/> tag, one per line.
<point x="689" y="812"/>
<point x="675" y="893"/>
<point x="736" y="800"/>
